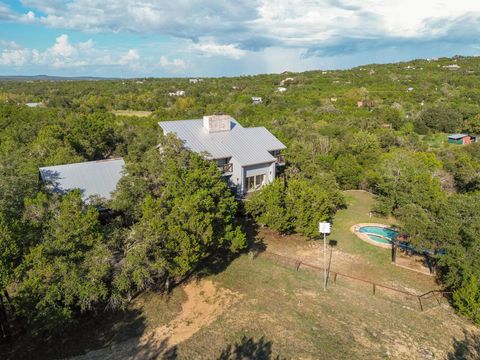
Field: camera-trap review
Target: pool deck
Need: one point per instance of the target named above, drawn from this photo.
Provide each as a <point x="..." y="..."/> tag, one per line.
<point x="364" y="236"/>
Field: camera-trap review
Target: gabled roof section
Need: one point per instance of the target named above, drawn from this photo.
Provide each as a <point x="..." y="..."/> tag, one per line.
<point x="92" y="177"/>
<point x="248" y="146"/>
<point x="457" y="136"/>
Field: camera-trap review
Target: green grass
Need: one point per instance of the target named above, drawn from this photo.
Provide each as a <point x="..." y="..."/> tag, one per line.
<point x="375" y="262"/>
<point x="288" y="309"/>
<point x="436" y="141"/>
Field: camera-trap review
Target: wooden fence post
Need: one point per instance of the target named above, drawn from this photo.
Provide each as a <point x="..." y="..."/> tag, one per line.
<point x="373" y="288"/>
<point x="420" y="302"/>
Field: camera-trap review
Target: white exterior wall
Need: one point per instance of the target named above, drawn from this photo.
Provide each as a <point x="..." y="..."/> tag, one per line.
<point x="267" y="168"/>
<point x="236" y="179"/>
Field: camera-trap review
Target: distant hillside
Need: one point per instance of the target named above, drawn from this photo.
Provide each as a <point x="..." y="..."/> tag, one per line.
<point x="49" y="78"/>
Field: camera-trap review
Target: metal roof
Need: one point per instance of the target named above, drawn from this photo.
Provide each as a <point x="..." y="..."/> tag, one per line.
<point x="92" y="177"/>
<point x="248" y="146"/>
<point x="457" y="136"/>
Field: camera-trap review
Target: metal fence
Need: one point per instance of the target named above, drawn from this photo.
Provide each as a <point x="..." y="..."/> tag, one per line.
<point x="424" y="301"/>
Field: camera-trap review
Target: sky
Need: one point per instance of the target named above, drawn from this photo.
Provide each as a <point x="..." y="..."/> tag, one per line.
<point x="162" y="38"/>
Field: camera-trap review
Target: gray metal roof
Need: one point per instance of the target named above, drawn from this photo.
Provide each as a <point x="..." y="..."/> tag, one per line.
<point x="248" y="146"/>
<point x="457" y="136"/>
<point x="92" y="177"/>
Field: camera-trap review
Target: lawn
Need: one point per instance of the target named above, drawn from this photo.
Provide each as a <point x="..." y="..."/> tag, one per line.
<point x="136" y="113"/>
<point x="259" y="309"/>
<point x="352" y="255"/>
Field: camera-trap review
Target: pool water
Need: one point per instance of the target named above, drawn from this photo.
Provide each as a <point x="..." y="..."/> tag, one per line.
<point x="379" y="234"/>
<point x="382" y="231"/>
<point x="379" y="239"/>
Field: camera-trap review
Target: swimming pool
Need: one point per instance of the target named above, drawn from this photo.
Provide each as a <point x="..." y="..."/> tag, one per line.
<point x="379" y="239"/>
<point x="380" y="234"/>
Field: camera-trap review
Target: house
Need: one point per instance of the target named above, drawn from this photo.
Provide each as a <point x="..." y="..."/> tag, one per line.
<point x="177" y="93"/>
<point x="194" y="81"/>
<point x="93" y="178"/>
<point x="281" y="89"/>
<point x="247" y="157"/>
<point x="256" y="100"/>
<point x="410" y="89"/>
<point x="34" y="104"/>
<point x="461" y="139"/>
<point x="288" y="79"/>
<point x="452" y="66"/>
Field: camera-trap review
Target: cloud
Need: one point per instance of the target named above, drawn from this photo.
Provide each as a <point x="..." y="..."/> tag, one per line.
<point x="210" y="48"/>
<point x="174" y="65"/>
<point x="66" y="55"/>
<point x="131" y="56"/>
<point x="317" y="26"/>
<point x="219" y="37"/>
<point x="14" y="57"/>
<point x="62" y="54"/>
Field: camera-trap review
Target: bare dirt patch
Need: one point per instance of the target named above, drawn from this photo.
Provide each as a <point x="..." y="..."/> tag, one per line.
<point x="205" y="302"/>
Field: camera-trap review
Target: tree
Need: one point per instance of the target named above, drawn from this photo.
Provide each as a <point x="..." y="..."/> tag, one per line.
<point x="473" y="125"/>
<point x="298" y="207"/>
<point x="439" y="119"/>
<point x="92" y="135"/>
<point x="348" y="171"/>
<point x="467" y="300"/>
<point x="269" y="207"/>
<point x="185" y="213"/>
<point x="67" y="271"/>
<point x="310" y="204"/>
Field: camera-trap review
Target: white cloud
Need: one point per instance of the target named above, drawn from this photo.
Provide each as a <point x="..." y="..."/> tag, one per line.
<point x="67" y="55"/>
<point x="174" y="65"/>
<point x="29" y="17"/>
<point x="211" y="48"/>
<point x="62" y="47"/>
<point x="234" y="25"/>
<point x="14" y="57"/>
<point x="208" y="32"/>
<point x="131" y="56"/>
<point x="9" y="44"/>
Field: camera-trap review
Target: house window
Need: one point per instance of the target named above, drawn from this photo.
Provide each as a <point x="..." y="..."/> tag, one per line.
<point x="254" y="182"/>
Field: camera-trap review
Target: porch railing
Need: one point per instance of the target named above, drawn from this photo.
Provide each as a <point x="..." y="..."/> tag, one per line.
<point x="280" y="159"/>
<point x="226" y="168"/>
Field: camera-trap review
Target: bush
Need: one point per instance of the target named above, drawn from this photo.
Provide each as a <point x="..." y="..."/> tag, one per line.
<point x="467" y="300"/>
<point x="295" y="206"/>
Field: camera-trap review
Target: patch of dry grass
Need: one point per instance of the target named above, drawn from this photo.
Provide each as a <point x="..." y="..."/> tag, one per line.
<point x="137" y="113"/>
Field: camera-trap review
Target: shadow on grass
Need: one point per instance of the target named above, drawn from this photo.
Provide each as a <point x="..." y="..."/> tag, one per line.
<point x="90" y="332"/>
<point x="248" y="348"/>
<point x="467" y="348"/>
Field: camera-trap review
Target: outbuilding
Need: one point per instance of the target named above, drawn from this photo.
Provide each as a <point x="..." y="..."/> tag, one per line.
<point x="461" y="139"/>
<point x="93" y="178"/>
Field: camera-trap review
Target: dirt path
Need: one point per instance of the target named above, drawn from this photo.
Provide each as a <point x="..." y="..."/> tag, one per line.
<point x="204" y="304"/>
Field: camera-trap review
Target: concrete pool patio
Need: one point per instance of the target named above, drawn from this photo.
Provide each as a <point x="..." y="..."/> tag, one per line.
<point x="410" y="262"/>
<point x="355" y="229"/>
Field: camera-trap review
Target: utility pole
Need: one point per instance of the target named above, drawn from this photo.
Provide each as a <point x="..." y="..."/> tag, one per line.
<point x="324" y="228"/>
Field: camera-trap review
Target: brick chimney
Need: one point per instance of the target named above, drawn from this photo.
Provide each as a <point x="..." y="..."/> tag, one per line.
<point x="217" y="123"/>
